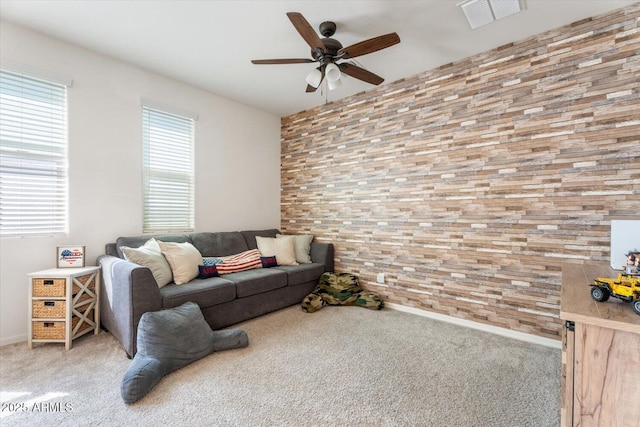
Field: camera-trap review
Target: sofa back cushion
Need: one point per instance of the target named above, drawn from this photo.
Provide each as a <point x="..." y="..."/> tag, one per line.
<point x="219" y="244"/>
<point x="137" y="241"/>
<point x="209" y="244"/>
<point x="250" y="236"/>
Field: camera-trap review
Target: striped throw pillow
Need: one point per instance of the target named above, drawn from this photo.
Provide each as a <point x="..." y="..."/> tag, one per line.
<point x="240" y="262"/>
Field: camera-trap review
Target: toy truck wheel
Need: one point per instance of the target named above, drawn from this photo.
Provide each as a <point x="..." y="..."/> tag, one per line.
<point x="636" y="306"/>
<point x="599" y="294"/>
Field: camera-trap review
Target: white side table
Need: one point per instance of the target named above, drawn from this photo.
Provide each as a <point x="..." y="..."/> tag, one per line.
<point x="63" y="304"/>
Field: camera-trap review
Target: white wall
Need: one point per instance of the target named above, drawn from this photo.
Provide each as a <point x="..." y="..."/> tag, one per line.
<point x="625" y="237"/>
<point x="237" y="161"/>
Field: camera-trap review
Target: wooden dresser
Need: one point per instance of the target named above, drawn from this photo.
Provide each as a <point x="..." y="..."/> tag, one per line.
<point x="601" y="353"/>
<point x="63" y="304"/>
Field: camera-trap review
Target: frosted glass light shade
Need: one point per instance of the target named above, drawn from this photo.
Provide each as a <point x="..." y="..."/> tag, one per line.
<point x="332" y="72"/>
<point x="334" y="83"/>
<point x="314" y="78"/>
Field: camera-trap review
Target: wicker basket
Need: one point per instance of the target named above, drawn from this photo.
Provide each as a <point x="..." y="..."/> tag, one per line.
<point x="49" y="287"/>
<point x="48" y="330"/>
<point x="56" y="330"/>
<point x="49" y="309"/>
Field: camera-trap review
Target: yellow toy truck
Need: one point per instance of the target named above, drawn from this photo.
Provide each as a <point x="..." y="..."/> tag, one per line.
<point x="626" y="288"/>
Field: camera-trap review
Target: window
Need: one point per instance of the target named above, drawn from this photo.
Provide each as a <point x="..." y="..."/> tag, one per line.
<point x="33" y="155"/>
<point x="167" y="141"/>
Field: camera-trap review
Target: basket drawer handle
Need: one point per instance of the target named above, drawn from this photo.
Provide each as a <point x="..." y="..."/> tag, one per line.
<point x="48" y="282"/>
<point x="49" y="324"/>
<point x="49" y="303"/>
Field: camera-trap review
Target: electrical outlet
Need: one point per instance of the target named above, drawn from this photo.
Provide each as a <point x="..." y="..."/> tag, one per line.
<point x="380" y="278"/>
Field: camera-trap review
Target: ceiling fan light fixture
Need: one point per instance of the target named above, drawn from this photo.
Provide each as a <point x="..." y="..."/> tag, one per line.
<point x="326" y="52"/>
<point x="332" y="84"/>
<point x="332" y="72"/>
<point x="314" y="78"/>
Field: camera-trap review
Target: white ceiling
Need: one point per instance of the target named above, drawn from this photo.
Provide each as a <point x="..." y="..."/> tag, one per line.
<point x="210" y="44"/>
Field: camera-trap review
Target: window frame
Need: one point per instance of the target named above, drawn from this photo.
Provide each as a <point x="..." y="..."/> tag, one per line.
<point x="164" y="130"/>
<point x="34" y="152"/>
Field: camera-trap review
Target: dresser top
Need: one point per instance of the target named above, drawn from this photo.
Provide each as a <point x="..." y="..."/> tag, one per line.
<point x="64" y="272"/>
<point x="577" y="305"/>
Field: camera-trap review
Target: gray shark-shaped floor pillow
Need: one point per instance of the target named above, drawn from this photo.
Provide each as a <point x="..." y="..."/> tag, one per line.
<point x="167" y="341"/>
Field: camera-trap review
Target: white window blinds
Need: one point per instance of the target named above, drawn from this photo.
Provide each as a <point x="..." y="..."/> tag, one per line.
<point x="168" y="176"/>
<point x="33" y="156"/>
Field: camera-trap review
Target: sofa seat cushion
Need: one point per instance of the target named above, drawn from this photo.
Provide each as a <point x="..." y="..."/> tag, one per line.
<point x="252" y="282"/>
<point x="204" y="292"/>
<point x="302" y="273"/>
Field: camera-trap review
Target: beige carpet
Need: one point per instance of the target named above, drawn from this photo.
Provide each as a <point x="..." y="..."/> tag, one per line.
<point x="338" y="366"/>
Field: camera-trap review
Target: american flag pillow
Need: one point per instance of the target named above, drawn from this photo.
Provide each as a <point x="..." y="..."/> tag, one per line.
<point x="269" y="261"/>
<point x="240" y="262"/>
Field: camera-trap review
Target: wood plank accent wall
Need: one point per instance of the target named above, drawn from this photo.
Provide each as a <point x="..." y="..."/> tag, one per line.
<point x="470" y="184"/>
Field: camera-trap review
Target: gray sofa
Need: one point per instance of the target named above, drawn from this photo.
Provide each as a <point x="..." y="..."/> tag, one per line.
<point x="129" y="290"/>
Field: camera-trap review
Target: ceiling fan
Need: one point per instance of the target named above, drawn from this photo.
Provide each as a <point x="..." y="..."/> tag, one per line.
<point x="328" y="51"/>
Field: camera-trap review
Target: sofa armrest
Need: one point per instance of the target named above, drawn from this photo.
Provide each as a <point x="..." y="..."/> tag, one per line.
<point x="127" y="291"/>
<point x="323" y="253"/>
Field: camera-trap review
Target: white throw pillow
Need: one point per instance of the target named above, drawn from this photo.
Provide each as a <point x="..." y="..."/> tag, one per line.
<point x="302" y="247"/>
<point x="149" y="255"/>
<point x="282" y="249"/>
<point x="184" y="260"/>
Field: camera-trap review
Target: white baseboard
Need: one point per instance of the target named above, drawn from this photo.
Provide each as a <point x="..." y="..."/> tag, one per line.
<point x="522" y="336"/>
<point x="12" y="340"/>
<point x="547" y="342"/>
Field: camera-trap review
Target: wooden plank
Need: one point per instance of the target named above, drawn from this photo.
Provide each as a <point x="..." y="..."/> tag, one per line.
<point x="609" y="386"/>
<point x="577" y="304"/>
<point x="567" y="384"/>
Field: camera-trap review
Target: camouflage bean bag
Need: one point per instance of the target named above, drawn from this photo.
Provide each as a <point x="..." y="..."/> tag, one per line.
<point x="340" y="289"/>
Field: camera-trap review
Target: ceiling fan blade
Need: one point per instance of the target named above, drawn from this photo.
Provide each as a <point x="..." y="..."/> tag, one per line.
<point x="369" y="46"/>
<point x="282" y="61"/>
<point x="360" y="73"/>
<point x="306" y="31"/>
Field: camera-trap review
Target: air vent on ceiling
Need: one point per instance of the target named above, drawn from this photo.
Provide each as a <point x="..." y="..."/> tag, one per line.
<point x="482" y="12"/>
